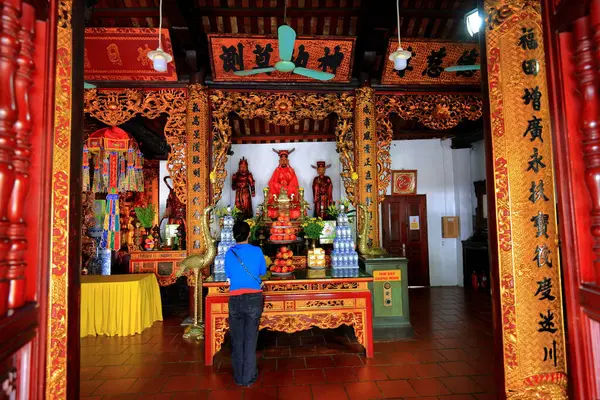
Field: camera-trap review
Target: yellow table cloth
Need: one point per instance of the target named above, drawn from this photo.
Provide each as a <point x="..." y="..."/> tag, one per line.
<point x="119" y="305"/>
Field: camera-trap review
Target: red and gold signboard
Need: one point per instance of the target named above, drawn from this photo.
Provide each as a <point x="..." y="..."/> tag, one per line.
<point x="427" y="63"/>
<point x="404" y="182"/>
<point x="231" y="53"/>
<point x="121" y="54"/>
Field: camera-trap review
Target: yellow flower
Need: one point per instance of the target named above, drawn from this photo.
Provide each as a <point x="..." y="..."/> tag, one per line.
<point x="213" y="176"/>
<point x="354" y="176"/>
<point x="268" y="261"/>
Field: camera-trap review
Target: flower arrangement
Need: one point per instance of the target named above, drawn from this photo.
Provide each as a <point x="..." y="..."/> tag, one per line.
<point x="145" y="215"/>
<point x="313" y="227"/>
<point x="253" y="227"/>
<point x="334" y="210"/>
<point x="222" y="212"/>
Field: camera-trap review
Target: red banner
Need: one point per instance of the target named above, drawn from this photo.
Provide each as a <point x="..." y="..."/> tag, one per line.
<point x="428" y="60"/>
<point x="229" y="53"/>
<point x="121" y="54"/>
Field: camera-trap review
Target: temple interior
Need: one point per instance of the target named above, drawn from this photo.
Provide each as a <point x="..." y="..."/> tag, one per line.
<point x="420" y="178"/>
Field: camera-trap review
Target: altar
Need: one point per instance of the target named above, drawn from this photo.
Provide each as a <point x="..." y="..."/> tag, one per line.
<point x="325" y="299"/>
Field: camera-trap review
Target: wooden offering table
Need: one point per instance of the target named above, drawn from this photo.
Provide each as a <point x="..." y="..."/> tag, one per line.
<point x="297" y="302"/>
<point x="163" y="264"/>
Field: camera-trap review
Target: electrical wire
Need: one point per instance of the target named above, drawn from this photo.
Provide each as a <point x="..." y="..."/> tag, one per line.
<point x="160" y="24"/>
<point x="398" y="18"/>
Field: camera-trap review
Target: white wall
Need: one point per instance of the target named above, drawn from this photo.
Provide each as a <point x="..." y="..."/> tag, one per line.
<point x="477" y="167"/>
<point x="262" y="161"/>
<point x="163" y="190"/>
<point x="444" y="177"/>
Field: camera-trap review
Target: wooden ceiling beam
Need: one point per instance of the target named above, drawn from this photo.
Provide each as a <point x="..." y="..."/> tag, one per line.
<point x="126" y="12"/>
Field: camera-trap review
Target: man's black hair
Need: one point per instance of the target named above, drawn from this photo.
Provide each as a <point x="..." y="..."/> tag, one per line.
<point x="241" y="231"/>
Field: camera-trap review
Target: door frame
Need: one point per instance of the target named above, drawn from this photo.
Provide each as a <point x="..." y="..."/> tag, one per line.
<point x="423" y="228"/>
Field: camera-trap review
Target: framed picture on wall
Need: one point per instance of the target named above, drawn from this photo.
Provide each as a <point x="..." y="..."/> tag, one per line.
<point x="404" y="182"/>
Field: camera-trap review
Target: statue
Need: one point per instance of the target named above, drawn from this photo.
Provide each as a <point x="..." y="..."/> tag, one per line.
<point x="322" y="190"/>
<point x="198" y="263"/>
<point x="243" y="184"/>
<point x="283" y="177"/>
<point x="363" y="234"/>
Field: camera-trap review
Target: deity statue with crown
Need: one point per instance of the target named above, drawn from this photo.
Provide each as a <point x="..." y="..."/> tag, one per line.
<point x="322" y="190"/>
<point x="284" y="182"/>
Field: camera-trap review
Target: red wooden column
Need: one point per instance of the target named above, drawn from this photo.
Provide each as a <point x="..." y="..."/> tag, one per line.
<point x="21" y="161"/>
<point x="9" y="51"/>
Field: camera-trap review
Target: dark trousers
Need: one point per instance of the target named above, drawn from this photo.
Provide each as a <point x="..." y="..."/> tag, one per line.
<point x="244" y="319"/>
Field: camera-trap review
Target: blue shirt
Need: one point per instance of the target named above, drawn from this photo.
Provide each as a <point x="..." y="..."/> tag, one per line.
<point x="255" y="263"/>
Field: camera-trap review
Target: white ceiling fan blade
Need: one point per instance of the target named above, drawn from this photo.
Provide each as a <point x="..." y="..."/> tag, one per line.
<point x="458" y="68"/>
<point x="312" y="73"/>
<point x="256" y="71"/>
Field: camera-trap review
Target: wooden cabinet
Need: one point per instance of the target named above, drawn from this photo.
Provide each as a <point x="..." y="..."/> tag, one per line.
<point x="163" y="264"/>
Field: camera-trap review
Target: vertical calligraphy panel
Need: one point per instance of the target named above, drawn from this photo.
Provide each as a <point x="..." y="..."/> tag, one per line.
<point x="365" y="123"/>
<point x="198" y="165"/>
<point x="530" y="279"/>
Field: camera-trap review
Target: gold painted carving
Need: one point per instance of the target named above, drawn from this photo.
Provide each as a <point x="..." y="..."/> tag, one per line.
<point x="435" y="111"/>
<point x="291" y="323"/>
<point x="280" y="109"/>
<point x="56" y="343"/>
<point x="112" y="50"/>
<point x="367" y="163"/>
<point x="529" y="267"/>
<point x="308" y="304"/>
<point x="143" y="55"/>
<point x="198" y="163"/>
<point x="114" y="107"/>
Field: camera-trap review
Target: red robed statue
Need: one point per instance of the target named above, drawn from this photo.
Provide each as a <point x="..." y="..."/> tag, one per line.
<point x="284" y="176"/>
<point x="243" y="184"/>
<point x="322" y="190"/>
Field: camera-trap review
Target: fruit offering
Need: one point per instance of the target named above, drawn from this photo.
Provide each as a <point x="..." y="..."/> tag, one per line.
<point x="282" y="231"/>
<point x="283" y="263"/>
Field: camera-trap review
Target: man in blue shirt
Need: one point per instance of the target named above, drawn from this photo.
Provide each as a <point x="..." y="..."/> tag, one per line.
<point x="244" y="264"/>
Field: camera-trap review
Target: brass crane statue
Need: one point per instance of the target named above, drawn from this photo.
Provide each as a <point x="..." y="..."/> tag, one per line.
<point x="363" y="234"/>
<point x="197" y="263"/>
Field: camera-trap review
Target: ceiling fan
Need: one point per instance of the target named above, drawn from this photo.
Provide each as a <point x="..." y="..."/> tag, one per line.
<point x="287" y="37"/>
<point x="458" y="68"/>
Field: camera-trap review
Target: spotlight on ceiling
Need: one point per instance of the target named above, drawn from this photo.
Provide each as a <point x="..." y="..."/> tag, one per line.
<point x="473" y="21"/>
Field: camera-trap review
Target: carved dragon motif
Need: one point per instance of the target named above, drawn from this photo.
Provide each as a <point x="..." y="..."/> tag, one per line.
<point x="363" y="234"/>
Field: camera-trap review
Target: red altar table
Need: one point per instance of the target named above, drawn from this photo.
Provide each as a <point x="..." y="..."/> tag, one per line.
<point x="304" y="299"/>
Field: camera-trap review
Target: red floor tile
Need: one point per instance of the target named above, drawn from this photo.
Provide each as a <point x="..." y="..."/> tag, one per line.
<point x="402" y="357"/>
<point x="113" y="372"/>
<point x="429" y="356"/>
<point x="318" y="361"/>
<point x="400" y="371"/>
<point x="181" y="384"/>
<point x="457" y="397"/>
<point x="233" y="394"/>
<point x="214" y="381"/>
<point x="396" y="388"/>
<point x="372" y="373"/>
<point x="340" y="374"/>
<point x="260" y="393"/>
<point x="431" y="370"/>
<point x="458" y="368"/>
<point x="86" y="388"/>
<point x="295" y="393"/>
<point x="278" y="378"/>
<point x="87" y="373"/>
<point x="329" y="392"/>
<point x="286" y="363"/>
<point x="143" y="371"/>
<point x="114" y="386"/>
<point x="347" y="360"/>
<point x="363" y="391"/>
<point x="148" y="385"/>
<point x="195" y="395"/>
<point x="429" y="387"/>
<point x="455" y="354"/>
<point x="461" y="384"/>
<point x="309" y="376"/>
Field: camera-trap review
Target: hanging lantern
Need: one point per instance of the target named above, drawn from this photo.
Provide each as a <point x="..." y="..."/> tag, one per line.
<point x="117" y="167"/>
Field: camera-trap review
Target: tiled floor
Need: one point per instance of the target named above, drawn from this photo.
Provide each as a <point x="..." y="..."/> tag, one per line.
<point x="451" y="358"/>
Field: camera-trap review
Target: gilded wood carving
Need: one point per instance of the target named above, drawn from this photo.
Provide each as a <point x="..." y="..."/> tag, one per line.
<point x="529" y="265"/>
<point x="435" y="111"/>
<point x="114" y="107"/>
<point x="280" y="109"/>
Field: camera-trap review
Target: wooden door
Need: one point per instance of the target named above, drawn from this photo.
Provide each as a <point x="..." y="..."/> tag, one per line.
<point x="403" y="238"/>
<point x="573" y="57"/>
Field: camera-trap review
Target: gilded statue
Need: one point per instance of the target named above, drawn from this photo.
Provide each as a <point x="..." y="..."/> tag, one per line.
<point x="243" y="184"/>
<point x="363" y="234"/>
<point x="322" y="190"/>
<point x="202" y="261"/>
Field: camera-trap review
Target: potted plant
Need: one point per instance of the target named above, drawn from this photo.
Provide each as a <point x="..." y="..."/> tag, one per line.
<point x="146" y="217"/>
<point x="253" y="228"/>
<point x="334" y="210"/>
<point x="313" y="228"/>
<point x="224" y="211"/>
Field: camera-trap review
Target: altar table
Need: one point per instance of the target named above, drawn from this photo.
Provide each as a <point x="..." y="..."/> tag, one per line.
<point x="119" y="305"/>
<point x="304" y="299"/>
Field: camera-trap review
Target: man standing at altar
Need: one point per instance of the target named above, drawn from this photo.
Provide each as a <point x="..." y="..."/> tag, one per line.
<point x="284" y="176"/>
